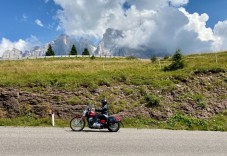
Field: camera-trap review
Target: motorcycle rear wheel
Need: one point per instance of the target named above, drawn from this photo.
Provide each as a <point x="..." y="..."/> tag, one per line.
<point x="113" y="127"/>
<point x="77" y="124"/>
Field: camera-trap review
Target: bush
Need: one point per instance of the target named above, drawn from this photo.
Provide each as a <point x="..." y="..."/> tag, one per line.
<point x="179" y="121"/>
<point x="153" y="59"/>
<point x="92" y="57"/>
<point x="177" y="62"/>
<point x="74" y="101"/>
<point x="151" y="100"/>
<point x="166" y="57"/>
<point x="199" y="100"/>
<point x="131" y="58"/>
<point x="104" y="82"/>
<point x="127" y="91"/>
<point x="207" y="71"/>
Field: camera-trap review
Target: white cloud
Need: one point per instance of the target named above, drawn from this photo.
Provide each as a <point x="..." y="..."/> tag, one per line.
<point x="80" y="17"/>
<point x="22" y="45"/>
<point x="159" y="30"/>
<point x="220" y="33"/>
<point x="153" y="24"/>
<point x="39" y="23"/>
<point x="197" y="23"/>
<point x="179" y="2"/>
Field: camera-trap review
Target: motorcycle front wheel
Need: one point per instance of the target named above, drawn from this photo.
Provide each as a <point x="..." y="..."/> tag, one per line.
<point x="113" y="127"/>
<point x="77" y="124"/>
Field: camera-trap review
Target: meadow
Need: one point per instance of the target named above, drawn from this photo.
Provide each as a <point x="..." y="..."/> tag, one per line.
<point x="70" y="73"/>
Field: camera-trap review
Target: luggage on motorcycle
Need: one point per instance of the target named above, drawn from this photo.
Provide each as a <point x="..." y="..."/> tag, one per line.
<point x="112" y="119"/>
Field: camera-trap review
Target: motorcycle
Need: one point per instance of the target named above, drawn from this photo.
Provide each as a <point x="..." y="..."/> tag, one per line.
<point x="78" y="122"/>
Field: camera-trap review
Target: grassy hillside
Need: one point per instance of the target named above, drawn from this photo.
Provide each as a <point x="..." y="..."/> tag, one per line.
<point x="75" y="72"/>
<point x="139" y="90"/>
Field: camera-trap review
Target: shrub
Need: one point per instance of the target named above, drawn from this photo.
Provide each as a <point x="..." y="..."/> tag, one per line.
<point x="151" y="100"/>
<point x="225" y="80"/>
<point x="166" y="57"/>
<point x="206" y="71"/>
<point x="128" y="91"/>
<point x="131" y="58"/>
<point x="199" y="100"/>
<point x="74" y="101"/>
<point x="153" y="59"/>
<point x="177" y="62"/>
<point x="202" y="104"/>
<point x="117" y="106"/>
<point x="92" y="57"/>
<point x="142" y="90"/>
<point x="104" y="82"/>
<point x="122" y="78"/>
<point x="186" y="122"/>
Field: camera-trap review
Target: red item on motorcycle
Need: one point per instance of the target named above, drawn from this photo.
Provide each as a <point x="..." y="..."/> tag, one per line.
<point x="102" y="121"/>
<point x="92" y="114"/>
<point x="118" y="118"/>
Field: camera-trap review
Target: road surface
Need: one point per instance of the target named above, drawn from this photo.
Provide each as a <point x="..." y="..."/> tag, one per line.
<point x="39" y="141"/>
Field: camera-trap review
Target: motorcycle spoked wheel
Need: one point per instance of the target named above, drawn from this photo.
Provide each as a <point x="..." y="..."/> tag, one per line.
<point x="77" y="124"/>
<point x="113" y="127"/>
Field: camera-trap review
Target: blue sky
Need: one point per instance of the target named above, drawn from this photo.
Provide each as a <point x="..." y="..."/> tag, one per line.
<point x="18" y="19"/>
<point x="43" y="20"/>
<point x="216" y="9"/>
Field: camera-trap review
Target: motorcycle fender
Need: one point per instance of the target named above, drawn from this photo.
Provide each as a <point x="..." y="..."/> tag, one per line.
<point x="112" y="119"/>
<point x="118" y="119"/>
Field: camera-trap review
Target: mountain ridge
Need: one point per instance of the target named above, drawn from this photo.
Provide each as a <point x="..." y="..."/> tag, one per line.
<point x="110" y="45"/>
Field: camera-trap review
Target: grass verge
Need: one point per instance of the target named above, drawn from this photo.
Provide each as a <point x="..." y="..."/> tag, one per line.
<point x="177" y="122"/>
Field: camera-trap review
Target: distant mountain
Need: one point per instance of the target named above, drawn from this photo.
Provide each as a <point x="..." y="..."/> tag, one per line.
<point x="35" y="52"/>
<point x="12" y="54"/>
<point x="85" y="43"/>
<point x="109" y="45"/>
<point x="63" y="44"/>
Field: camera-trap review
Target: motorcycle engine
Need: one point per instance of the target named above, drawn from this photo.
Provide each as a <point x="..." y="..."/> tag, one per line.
<point x="91" y="121"/>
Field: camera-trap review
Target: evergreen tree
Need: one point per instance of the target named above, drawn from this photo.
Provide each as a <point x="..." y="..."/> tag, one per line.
<point x="50" y="51"/>
<point x="153" y="59"/>
<point x="177" y="62"/>
<point x="73" y="50"/>
<point x="86" y="52"/>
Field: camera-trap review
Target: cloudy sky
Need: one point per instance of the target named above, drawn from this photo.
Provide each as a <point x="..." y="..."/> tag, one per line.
<point x="191" y="25"/>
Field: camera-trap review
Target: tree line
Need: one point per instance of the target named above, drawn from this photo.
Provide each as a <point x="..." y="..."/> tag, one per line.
<point x="50" y="51"/>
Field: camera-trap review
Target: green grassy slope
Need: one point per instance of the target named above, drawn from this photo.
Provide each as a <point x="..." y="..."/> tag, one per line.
<point x="190" y="98"/>
<point x="71" y="73"/>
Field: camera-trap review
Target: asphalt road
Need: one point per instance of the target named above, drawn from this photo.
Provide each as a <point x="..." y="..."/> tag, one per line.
<point x="22" y="141"/>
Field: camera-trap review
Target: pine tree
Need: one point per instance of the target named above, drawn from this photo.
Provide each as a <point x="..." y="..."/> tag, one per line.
<point x="73" y="50"/>
<point x="177" y="62"/>
<point x="50" y="51"/>
<point x="86" y="52"/>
